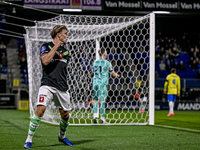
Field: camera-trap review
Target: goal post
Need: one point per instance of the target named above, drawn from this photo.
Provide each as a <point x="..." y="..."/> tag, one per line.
<point x="130" y="43"/>
<point x="152" y="71"/>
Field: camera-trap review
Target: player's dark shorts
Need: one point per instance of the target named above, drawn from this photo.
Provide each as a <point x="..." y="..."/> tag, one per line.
<point x="100" y="91"/>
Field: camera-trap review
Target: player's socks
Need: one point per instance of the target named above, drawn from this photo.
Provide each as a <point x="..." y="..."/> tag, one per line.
<point x="34" y="123"/>
<point x="95" y="109"/>
<point x="142" y="107"/>
<point x="63" y="128"/>
<point x="171" y="107"/>
<point x="102" y="109"/>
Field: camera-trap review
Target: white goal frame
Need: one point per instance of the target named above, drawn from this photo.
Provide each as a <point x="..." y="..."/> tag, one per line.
<point x="100" y="30"/>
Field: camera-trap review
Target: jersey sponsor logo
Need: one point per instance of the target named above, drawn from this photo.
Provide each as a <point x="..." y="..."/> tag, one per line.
<point x="43" y="95"/>
<point x="63" y="60"/>
<point x="41" y="99"/>
<point x="43" y="48"/>
<point x="60" y="55"/>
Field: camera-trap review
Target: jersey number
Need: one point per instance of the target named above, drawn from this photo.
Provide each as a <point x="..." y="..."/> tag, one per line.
<point x="97" y="68"/>
<point x="174" y="81"/>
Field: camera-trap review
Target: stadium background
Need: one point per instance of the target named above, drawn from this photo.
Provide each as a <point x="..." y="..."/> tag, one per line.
<point x="181" y="24"/>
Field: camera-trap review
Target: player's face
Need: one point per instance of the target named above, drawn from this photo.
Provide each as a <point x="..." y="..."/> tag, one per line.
<point x="63" y="36"/>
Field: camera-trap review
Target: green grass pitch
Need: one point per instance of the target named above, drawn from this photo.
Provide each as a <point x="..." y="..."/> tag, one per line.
<point x="179" y="132"/>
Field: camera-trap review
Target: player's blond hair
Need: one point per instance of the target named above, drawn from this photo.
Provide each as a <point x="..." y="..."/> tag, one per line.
<point x="57" y="29"/>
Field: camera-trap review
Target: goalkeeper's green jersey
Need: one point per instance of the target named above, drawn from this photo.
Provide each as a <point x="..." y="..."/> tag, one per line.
<point x="101" y="69"/>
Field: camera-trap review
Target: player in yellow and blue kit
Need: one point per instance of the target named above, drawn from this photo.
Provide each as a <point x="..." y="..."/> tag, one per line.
<point x="174" y="86"/>
<point x="101" y="68"/>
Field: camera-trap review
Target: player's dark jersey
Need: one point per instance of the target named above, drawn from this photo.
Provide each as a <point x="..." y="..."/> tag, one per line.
<point x="55" y="73"/>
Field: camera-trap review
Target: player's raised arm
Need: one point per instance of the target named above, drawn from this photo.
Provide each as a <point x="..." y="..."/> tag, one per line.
<point x="46" y="58"/>
<point x="58" y="39"/>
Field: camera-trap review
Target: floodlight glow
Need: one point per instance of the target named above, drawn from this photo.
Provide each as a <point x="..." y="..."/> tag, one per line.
<point x="161" y="12"/>
<point x="76" y="10"/>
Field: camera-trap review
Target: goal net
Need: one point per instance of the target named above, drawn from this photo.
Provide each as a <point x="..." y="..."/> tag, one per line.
<point x="129" y="42"/>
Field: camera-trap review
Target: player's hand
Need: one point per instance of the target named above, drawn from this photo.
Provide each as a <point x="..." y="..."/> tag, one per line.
<point x="58" y="41"/>
<point x="118" y="75"/>
<point x="178" y="94"/>
<point x="164" y="92"/>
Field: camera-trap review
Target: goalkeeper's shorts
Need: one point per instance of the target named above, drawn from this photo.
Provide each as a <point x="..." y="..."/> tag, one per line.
<point x="51" y="97"/>
<point x="100" y="92"/>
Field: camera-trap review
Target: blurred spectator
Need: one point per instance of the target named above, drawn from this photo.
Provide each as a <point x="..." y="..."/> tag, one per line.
<point x="194" y="66"/>
<point x="22" y="53"/>
<point x="195" y="55"/>
<point x="190" y="62"/>
<point x="162" y="51"/>
<point x="172" y="54"/>
<point x="162" y="66"/>
<point x="162" y="43"/>
<point x="167" y="55"/>
<point x="2" y="45"/>
<point x="157" y="75"/>
<point x="4" y="60"/>
<point x="191" y="52"/>
<point x="125" y="79"/>
<point x="23" y="63"/>
<point x="157" y="51"/>
<point x="168" y="65"/>
<point x="197" y="52"/>
<point x="176" y="66"/>
<point x="198" y="74"/>
<point x="176" y="51"/>
<point x="182" y="66"/>
<point x="21" y="48"/>
<point x="163" y="58"/>
<point x="157" y="57"/>
<point x="198" y="64"/>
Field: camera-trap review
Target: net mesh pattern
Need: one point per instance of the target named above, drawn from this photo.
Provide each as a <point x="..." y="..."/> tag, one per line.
<point x="126" y="40"/>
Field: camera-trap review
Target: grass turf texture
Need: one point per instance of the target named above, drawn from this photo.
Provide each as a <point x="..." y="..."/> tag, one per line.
<point x="14" y="128"/>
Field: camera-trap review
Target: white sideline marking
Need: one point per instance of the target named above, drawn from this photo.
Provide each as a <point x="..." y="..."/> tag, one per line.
<point x="187" y="129"/>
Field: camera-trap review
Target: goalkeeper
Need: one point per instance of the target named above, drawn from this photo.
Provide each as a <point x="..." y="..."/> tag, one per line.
<point x="54" y="58"/>
<point x="101" y="68"/>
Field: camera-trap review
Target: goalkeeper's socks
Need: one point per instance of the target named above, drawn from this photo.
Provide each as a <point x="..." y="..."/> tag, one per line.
<point x="102" y="109"/>
<point x="95" y="109"/>
<point x="34" y="123"/>
<point x="63" y="127"/>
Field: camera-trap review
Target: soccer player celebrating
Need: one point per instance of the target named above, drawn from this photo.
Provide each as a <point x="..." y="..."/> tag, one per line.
<point x="54" y="58"/>
<point x="101" y="68"/>
<point x="173" y="83"/>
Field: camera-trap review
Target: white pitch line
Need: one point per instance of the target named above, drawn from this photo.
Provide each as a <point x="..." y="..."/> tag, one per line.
<point x="177" y="128"/>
